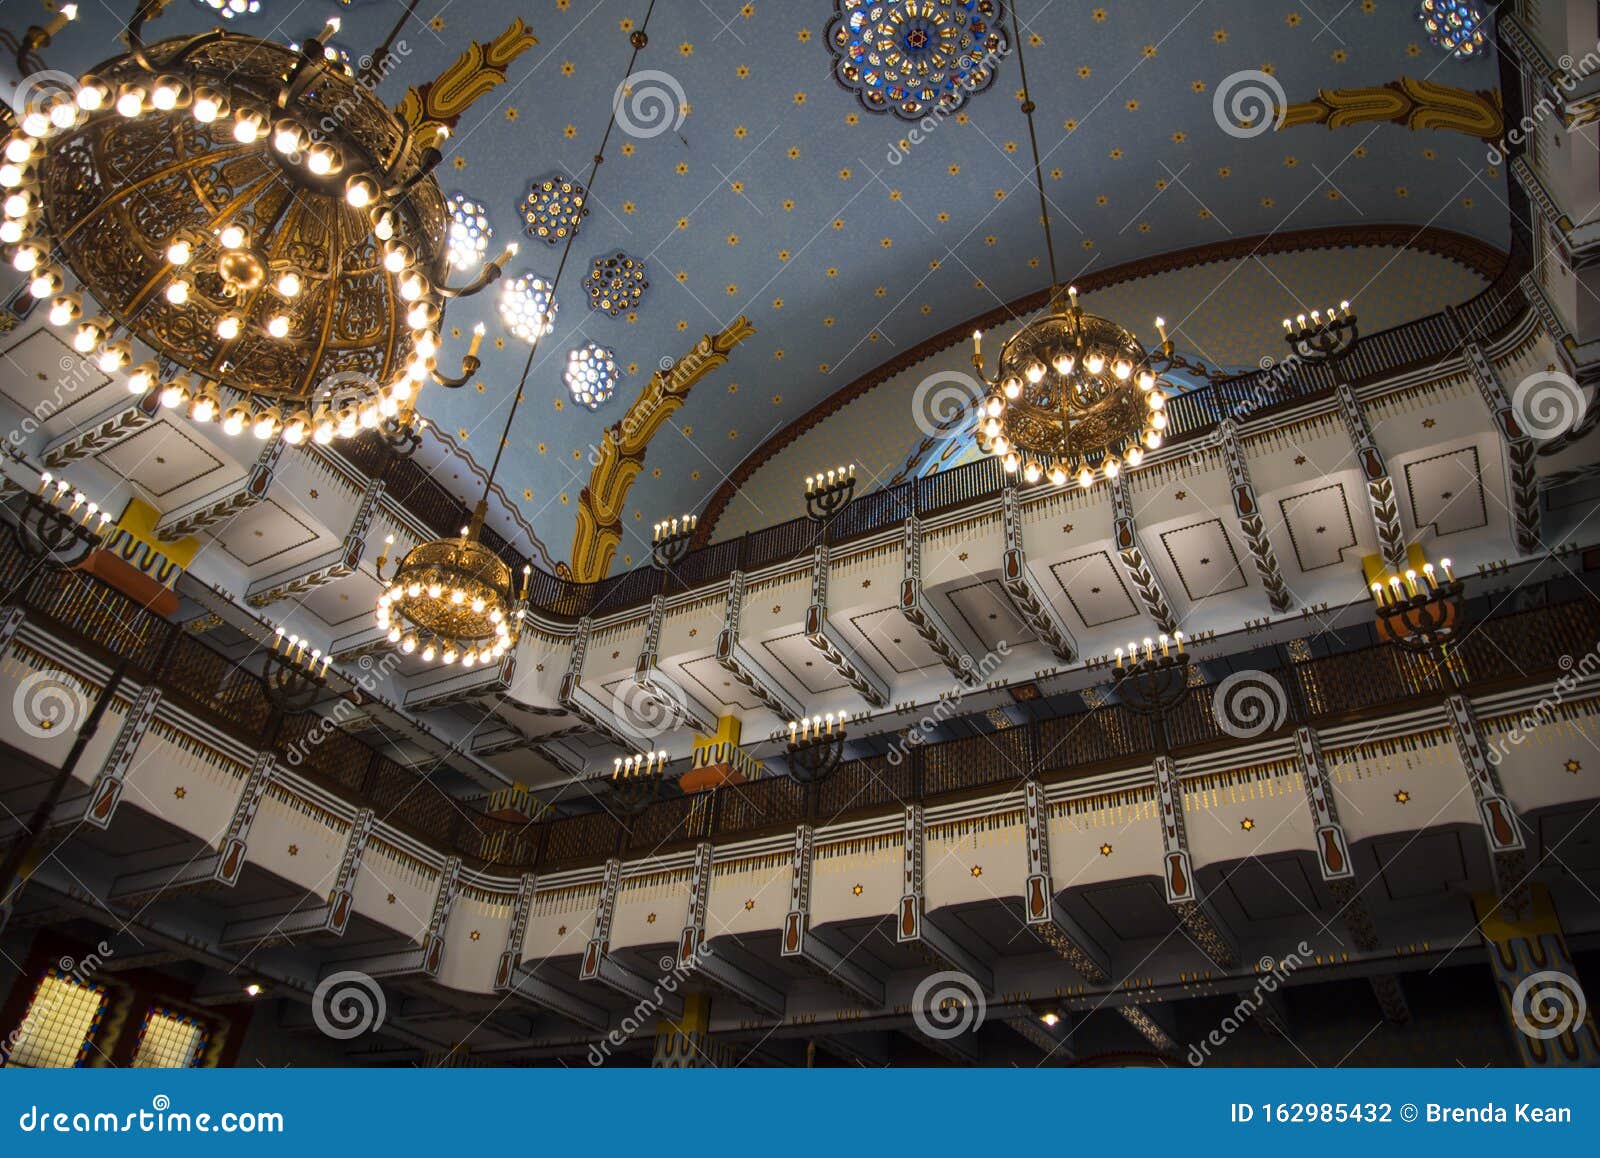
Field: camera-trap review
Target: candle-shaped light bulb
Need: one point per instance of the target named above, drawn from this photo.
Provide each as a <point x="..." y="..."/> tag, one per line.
<point x="1072" y="294"/>
<point x="1119" y="657"/>
<point x="852" y="470"/>
<point x="1316" y="318"/>
<point x="1427" y="574"/>
<point x="1288" y="326"/>
<point x="977" y="343"/>
<point x="1377" y="593"/>
<point x="1344" y="308"/>
<point x="44" y="481"/>
<point x="1177" y="637"/>
<point x="792" y="728"/>
<point x="810" y="482"/>
<point x="1449" y="572"/>
<point x="1300" y="320"/>
<point x="1163" y="645"/>
<point x="477" y="340"/>
<point x="1149" y="648"/>
<point x="1411" y="581"/>
<point x="1161" y="328"/>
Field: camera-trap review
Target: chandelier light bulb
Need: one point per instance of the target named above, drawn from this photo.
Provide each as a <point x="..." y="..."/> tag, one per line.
<point x="63" y="114"/>
<point x="35" y="124"/>
<point x="88" y="336"/>
<point x="1135" y="456"/>
<point x="1156" y="399"/>
<point x="46" y="283"/>
<point x="18" y="204"/>
<point x="179" y="252"/>
<point x="175" y="393"/>
<point x="231" y="237"/>
<point x="142" y="377"/>
<point x="1122" y="370"/>
<point x="287" y="137"/>
<point x="397" y="258"/>
<point x="233" y="420"/>
<point x="1001" y="445"/>
<point x="10" y="175"/>
<point x="209" y="106"/>
<point x="288" y="285"/>
<point x="1153" y="440"/>
<point x="115" y="355"/>
<point x="294" y="431"/>
<point x="1058" y="475"/>
<point x="1158" y="421"/>
<point x="65" y="309"/>
<point x="1111" y="467"/>
<point x="1032" y="472"/>
<point x="247" y="126"/>
<point x="164" y="97"/>
<point x="1086" y="478"/>
<point x="1063" y="364"/>
<point x="278" y="326"/>
<point x="204" y="408"/>
<point x="266" y="422"/>
<point x="360" y="191"/>
<point x="18" y="150"/>
<point x="228" y="328"/>
<point x="178" y="292"/>
<point x="1095" y="362"/>
<point x="26" y="258"/>
<point x="1034" y="372"/>
<point x="995" y="407"/>
<point x="1011" y="387"/>
<point x="1011" y="462"/>
<point x="130" y="101"/>
<point x="11" y="232"/>
<point x="322" y="160"/>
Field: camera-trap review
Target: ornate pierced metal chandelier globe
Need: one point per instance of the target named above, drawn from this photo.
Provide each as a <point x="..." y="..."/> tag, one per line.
<point x="453" y="599"/>
<point x="1073" y="396"/>
<point x="251" y="214"/>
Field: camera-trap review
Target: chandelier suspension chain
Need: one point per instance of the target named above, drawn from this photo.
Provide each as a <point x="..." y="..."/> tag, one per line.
<point x="1033" y="143"/>
<point x="638" y="39"/>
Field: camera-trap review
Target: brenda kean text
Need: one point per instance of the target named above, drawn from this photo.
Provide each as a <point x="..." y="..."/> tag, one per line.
<point x="1379" y="1113"/>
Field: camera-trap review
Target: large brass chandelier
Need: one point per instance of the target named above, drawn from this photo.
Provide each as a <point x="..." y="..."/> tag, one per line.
<point x="249" y="212"/>
<point x="453" y="599"/>
<point x="1073" y="395"/>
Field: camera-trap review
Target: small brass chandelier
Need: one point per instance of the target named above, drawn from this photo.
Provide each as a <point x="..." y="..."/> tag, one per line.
<point x="1073" y="395"/>
<point x="249" y="212"/>
<point x="454" y="599"/>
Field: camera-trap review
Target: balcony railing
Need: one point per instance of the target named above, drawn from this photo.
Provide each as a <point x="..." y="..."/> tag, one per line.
<point x="1191" y="415"/>
<point x="1507" y="650"/>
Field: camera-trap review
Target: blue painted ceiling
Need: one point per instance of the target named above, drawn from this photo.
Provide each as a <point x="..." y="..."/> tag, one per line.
<point x="780" y="197"/>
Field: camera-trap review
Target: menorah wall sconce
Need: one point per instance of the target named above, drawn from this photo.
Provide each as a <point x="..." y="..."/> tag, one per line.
<point x="829" y="492"/>
<point x="1154" y="680"/>
<point x="670" y="541"/>
<point x="293" y="674"/>
<point x="1320" y="338"/>
<point x="1420" y="609"/>
<point x="637" y="782"/>
<point x="816" y="747"/>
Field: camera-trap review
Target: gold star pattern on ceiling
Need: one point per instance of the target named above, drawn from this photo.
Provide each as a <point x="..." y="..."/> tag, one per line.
<point x="1402" y="797"/>
<point x="1573" y="766"/>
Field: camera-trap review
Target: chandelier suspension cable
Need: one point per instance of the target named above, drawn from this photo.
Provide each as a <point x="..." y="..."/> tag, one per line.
<point x="638" y="39"/>
<point x="1033" y="142"/>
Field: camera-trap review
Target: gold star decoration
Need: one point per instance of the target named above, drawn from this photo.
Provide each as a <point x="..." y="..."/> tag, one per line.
<point x="391" y="898"/>
<point x="1402" y="797"/>
<point x="562" y="931"/>
<point x="180" y="792"/>
<point x="857" y="890"/>
<point x="748" y="905"/>
<point x="473" y="934"/>
<point x="1247" y="823"/>
<point x="294" y="850"/>
<point x="977" y="870"/>
<point x="1573" y="766"/>
<point x="1105" y="850"/>
<point x="650" y="920"/>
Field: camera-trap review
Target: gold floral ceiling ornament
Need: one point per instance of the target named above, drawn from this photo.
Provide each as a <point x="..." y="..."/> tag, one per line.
<point x="1073" y="395"/>
<point x="249" y="213"/>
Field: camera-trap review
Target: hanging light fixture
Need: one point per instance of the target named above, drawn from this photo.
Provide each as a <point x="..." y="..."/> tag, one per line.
<point x="1073" y="396"/>
<point x="249" y="211"/>
<point x="454" y="599"/>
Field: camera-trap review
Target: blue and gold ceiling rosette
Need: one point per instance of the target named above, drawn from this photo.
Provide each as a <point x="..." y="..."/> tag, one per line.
<point x="915" y="57"/>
